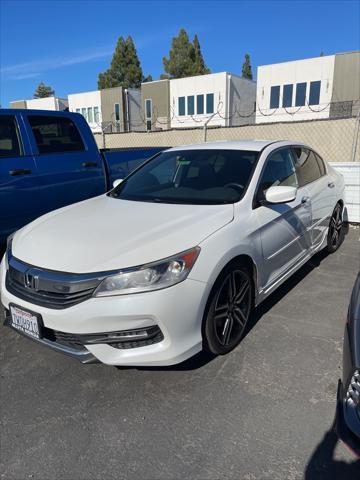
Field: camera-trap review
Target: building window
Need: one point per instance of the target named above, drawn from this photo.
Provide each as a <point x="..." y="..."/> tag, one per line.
<point x="275" y="97"/>
<point x="90" y="115"/>
<point x="78" y="110"/>
<point x="191" y="105"/>
<point x="96" y="115"/>
<point x="300" y="94"/>
<point x="181" y="105"/>
<point x="209" y="103"/>
<point x="287" y="96"/>
<point x="148" y="113"/>
<point x="199" y="104"/>
<point x="84" y="112"/>
<point x="117" y="112"/>
<point x="314" y="96"/>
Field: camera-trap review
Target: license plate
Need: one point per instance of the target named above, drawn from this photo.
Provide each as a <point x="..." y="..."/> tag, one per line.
<point x="25" y="322"/>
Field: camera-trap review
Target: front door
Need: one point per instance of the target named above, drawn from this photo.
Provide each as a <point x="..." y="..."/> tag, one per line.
<point x="284" y="228"/>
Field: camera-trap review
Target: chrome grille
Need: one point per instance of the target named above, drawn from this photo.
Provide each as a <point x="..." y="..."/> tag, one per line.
<point x="55" y="290"/>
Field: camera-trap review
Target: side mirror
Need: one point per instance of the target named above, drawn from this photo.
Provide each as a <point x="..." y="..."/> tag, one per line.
<point x="280" y="194"/>
<point x="117" y="182"/>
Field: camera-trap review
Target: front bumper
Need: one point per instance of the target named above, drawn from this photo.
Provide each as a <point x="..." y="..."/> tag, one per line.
<point x="177" y="311"/>
<point x="346" y="418"/>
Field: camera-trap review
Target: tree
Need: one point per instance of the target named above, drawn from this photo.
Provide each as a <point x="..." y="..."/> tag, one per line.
<point x="125" y="69"/>
<point x="199" y="64"/>
<point x="246" y="68"/>
<point x="185" y="58"/>
<point x="43" y="91"/>
<point x="148" y="78"/>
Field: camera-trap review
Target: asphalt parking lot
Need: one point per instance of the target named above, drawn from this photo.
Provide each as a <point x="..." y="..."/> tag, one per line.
<point x="263" y="412"/>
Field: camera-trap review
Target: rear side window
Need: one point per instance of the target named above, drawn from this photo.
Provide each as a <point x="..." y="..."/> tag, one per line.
<point x="9" y="137"/>
<point x="307" y="167"/>
<point x="55" y="134"/>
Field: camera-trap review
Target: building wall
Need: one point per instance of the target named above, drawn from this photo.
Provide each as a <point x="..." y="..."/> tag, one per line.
<point x="280" y="74"/>
<point x="242" y="98"/>
<point x="87" y="100"/>
<point x="159" y="93"/>
<point x="346" y="86"/>
<point x="215" y="84"/>
<point x="134" y="122"/>
<point x="18" y="104"/>
<point x="109" y="97"/>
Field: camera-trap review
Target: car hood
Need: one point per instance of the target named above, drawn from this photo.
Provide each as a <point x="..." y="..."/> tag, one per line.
<point x="105" y="233"/>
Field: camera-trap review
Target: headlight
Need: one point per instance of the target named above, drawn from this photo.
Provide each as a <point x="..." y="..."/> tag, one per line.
<point x="353" y="392"/>
<point x="8" y="249"/>
<point x="153" y="276"/>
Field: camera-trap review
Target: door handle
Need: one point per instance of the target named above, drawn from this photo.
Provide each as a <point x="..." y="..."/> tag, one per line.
<point x="20" y="171"/>
<point x="305" y="199"/>
<point x="331" y="184"/>
<point x="89" y="164"/>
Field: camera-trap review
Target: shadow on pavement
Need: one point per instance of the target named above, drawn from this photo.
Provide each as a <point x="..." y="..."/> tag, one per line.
<point x="323" y="466"/>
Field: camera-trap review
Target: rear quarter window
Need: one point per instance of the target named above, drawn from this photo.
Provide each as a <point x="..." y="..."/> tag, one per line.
<point x="55" y="134"/>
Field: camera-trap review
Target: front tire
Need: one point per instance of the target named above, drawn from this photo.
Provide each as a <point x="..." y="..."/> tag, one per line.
<point x="229" y="308"/>
<point x="336" y="230"/>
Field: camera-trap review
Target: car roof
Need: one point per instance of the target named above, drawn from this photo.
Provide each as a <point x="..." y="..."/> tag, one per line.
<point x="250" y="145"/>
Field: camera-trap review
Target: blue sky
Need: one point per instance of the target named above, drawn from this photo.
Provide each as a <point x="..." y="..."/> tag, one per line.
<point x="66" y="43"/>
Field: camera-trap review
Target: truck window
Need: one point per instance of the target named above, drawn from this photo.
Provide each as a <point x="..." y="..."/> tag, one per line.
<point x="55" y="134"/>
<point x="9" y="137"/>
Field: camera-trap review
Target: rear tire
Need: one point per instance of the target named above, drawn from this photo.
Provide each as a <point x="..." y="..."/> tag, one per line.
<point x="228" y="310"/>
<point x="336" y="229"/>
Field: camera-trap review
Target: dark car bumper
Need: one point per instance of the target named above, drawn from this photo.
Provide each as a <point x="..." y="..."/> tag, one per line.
<point x="347" y="423"/>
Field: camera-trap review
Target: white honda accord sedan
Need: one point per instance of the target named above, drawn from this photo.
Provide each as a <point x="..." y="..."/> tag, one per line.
<point x="173" y="259"/>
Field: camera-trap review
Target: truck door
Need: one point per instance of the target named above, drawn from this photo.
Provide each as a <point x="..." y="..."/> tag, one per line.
<point x="17" y="176"/>
<point x="70" y="168"/>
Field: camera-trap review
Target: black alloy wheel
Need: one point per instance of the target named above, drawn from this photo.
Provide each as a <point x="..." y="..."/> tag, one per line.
<point x="229" y="309"/>
<point x="336" y="232"/>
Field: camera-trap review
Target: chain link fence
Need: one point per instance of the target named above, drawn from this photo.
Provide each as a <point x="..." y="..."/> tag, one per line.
<point x="337" y="140"/>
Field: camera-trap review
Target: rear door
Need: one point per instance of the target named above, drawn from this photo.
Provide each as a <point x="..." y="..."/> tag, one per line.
<point x="284" y="228"/>
<point x="70" y="168"/>
<point x="17" y="175"/>
<point x="312" y="174"/>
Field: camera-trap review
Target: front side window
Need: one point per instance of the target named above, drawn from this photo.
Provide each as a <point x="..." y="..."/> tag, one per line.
<point x="181" y="106"/>
<point x="314" y="95"/>
<point x="287" y="96"/>
<point x="275" y="97"/>
<point x="191" y="105"/>
<point x="300" y="94"/>
<point x="279" y="171"/>
<point x="321" y="164"/>
<point x="307" y="167"/>
<point x="55" y="134"/>
<point x="210" y="103"/>
<point x="199" y="104"/>
<point x="9" y="137"/>
<point x="191" y="177"/>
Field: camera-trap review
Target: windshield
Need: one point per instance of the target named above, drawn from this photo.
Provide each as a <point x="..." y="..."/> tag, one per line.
<point x="190" y="177"/>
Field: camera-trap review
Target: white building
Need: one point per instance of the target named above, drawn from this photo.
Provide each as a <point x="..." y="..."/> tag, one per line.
<point x="217" y="99"/>
<point x="47" y="103"/>
<point x="89" y="105"/>
<point x="309" y="89"/>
